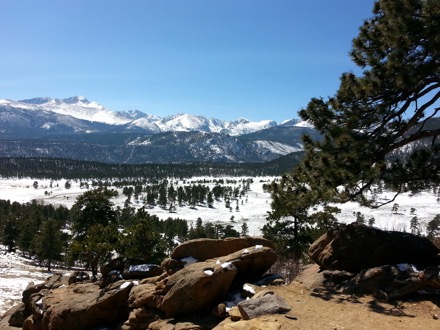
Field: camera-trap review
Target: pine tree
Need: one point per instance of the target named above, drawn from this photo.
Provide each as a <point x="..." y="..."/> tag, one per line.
<point x="94" y="227"/>
<point x="244" y="229"/>
<point x="289" y="226"/>
<point x="210" y="200"/>
<point x="49" y="243"/>
<point x="391" y="105"/>
<point x="142" y="239"/>
<point x="9" y="232"/>
<point x="433" y="228"/>
<point x="414" y="225"/>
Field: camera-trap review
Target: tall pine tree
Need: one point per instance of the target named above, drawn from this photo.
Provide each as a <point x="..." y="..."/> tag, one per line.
<point x="392" y="106"/>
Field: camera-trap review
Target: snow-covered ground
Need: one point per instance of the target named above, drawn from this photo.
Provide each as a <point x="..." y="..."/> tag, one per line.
<point x="15" y="274"/>
<point x="253" y="207"/>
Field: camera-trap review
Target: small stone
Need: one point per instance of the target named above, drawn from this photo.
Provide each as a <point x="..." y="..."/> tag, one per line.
<point x="220" y="311"/>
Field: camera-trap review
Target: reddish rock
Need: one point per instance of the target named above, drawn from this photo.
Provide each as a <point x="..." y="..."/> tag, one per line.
<point x="251" y="263"/>
<point x="205" y="248"/>
<point x="195" y="288"/>
<point x="356" y="247"/>
<point x="142" y="295"/>
<point x="85" y="306"/>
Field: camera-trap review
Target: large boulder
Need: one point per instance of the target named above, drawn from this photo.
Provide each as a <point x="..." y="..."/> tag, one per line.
<point x="356" y="247"/>
<point x="85" y="306"/>
<point x="13" y="317"/>
<point x="194" y="288"/>
<point x="251" y="263"/>
<point x="142" y="295"/>
<point x="206" y="248"/>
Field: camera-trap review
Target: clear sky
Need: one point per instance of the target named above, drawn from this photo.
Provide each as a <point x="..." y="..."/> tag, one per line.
<point x="257" y="59"/>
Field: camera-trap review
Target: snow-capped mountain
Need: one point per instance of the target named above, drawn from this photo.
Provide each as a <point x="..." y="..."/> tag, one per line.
<point x="77" y="128"/>
<point x="80" y="108"/>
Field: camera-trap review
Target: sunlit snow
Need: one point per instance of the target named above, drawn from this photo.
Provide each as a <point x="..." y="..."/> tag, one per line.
<point x="15" y="275"/>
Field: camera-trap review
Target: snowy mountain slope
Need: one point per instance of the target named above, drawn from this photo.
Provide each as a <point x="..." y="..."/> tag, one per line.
<point x="277" y="148"/>
<point x="244" y="126"/>
<point x="79" y="107"/>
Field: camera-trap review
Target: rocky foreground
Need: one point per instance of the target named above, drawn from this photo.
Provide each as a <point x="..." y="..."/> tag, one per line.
<point x="150" y="296"/>
<point x="363" y="278"/>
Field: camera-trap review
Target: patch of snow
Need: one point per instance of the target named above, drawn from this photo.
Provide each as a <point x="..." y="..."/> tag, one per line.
<point x="304" y="123"/>
<point x="189" y="260"/>
<point x="125" y="285"/>
<point x="139" y="268"/>
<point x="248" y="288"/>
<point x="208" y="272"/>
<point x="258" y="247"/>
<point x="407" y="268"/>
<point x="16" y="274"/>
<point x="226" y="264"/>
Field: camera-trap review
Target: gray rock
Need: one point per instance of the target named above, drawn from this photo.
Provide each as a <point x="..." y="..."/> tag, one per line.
<point x="267" y="304"/>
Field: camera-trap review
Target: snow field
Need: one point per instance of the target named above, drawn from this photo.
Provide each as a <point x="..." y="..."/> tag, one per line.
<point x="253" y="207"/>
<point x="15" y="276"/>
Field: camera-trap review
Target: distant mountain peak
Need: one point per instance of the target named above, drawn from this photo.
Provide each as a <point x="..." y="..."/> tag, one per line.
<point x="75" y="100"/>
<point x="241" y="120"/>
<point x="37" y="100"/>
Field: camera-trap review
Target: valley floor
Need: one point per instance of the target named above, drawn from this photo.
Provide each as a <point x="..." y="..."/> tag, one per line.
<point x="253" y="209"/>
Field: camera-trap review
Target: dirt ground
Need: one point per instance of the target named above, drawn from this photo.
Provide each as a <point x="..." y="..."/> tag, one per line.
<point x="324" y="310"/>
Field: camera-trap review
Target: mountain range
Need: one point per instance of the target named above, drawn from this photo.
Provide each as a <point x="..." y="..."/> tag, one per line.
<point x="79" y="129"/>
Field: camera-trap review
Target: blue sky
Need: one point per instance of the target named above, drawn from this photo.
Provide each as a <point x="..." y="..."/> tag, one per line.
<point x="258" y="59"/>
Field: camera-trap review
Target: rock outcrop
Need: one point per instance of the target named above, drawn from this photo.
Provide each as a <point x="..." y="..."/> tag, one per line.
<point x="356" y="247"/>
<point x="167" y="293"/>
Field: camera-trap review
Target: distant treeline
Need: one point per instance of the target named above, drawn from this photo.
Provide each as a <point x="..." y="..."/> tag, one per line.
<point x="50" y="168"/>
